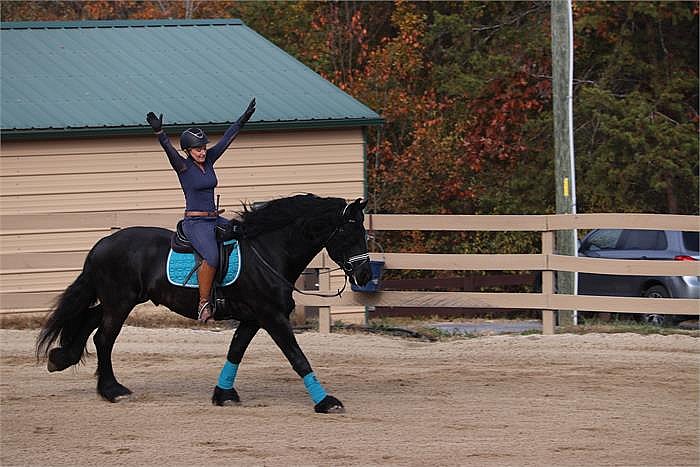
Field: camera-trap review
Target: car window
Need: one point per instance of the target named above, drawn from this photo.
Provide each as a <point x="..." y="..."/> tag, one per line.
<point x="604" y="239"/>
<point x="691" y="241"/>
<point x="643" y="240"/>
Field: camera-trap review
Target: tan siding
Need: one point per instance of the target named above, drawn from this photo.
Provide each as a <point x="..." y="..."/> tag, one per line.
<point x="37" y="281"/>
<point x="155" y="160"/>
<point x="166" y="180"/>
<point x="64" y="241"/>
<point x="27" y="301"/>
<point x="119" y="174"/>
<point x="72" y="191"/>
<point x="137" y="144"/>
<point x="72" y="222"/>
<point x="157" y="200"/>
<point x="19" y="262"/>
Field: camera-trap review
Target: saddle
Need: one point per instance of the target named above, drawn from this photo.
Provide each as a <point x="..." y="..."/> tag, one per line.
<point x="226" y="239"/>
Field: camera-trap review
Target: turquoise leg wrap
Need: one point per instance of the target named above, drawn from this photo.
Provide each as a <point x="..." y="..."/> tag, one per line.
<point x="228" y="375"/>
<point x="315" y="389"/>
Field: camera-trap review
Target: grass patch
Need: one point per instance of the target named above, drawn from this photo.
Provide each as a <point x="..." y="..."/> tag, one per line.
<point x="150" y="316"/>
<point x="617" y="327"/>
<point x="422" y="325"/>
<point x="383" y="329"/>
<point x="145" y="316"/>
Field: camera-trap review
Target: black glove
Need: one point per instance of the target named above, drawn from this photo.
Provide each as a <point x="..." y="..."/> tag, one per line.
<point x="248" y="112"/>
<point x="155" y="122"/>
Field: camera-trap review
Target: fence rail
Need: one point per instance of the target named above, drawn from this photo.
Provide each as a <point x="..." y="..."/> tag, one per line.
<point x="21" y="292"/>
<point x="547" y="262"/>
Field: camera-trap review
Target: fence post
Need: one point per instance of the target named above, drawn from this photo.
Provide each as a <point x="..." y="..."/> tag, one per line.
<point x="298" y="316"/>
<point x="324" y="320"/>
<point x="324" y="312"/>
<point x="548" y="283"/>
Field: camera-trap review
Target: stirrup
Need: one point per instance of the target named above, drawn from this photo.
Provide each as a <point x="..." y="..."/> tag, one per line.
<point x="202" y="315"/>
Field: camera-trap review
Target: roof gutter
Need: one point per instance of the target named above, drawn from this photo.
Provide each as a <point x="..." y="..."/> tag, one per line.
<point x="118" y="23"/>
<point x="87" y="132"/>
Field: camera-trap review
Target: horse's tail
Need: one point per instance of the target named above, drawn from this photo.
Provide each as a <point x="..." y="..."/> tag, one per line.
<point x="69" y="316"/>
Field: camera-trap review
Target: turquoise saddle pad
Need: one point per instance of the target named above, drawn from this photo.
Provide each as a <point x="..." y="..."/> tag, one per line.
<point x="181" y="264"/>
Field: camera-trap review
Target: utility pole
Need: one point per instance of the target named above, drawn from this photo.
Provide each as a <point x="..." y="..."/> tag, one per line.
<point x="564" y="167"/>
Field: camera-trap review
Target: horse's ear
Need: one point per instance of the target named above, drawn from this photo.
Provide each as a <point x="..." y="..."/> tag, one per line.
<point x="353" y="209"/>
<point x="359" y="204"/>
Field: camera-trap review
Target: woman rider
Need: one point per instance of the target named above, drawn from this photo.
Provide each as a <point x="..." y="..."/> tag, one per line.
<point x="198" y="180"/>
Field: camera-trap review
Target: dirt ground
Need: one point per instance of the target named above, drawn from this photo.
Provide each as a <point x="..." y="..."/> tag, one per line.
<point x="596" y="399"/>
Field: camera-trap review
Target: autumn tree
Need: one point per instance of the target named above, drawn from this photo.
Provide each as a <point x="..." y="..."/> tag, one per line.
<point x="465" y="90"/>
<point x="79" y="10"/>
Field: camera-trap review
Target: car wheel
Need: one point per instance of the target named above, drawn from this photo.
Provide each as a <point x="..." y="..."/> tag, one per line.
<point x="657" y="291"/>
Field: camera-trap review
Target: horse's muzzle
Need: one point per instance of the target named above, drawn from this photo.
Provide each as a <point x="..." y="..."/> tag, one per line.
<point x="358" y="269"/>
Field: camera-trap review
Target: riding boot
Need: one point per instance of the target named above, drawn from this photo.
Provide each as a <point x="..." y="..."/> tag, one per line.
<point x="205" y="276"/>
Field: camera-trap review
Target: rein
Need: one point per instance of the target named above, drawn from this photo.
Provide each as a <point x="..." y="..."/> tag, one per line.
<point x="289" y="284"/>
<point x="348" y="265"/>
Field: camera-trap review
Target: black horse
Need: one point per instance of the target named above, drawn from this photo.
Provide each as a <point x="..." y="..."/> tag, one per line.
<point x="128" y="267"/>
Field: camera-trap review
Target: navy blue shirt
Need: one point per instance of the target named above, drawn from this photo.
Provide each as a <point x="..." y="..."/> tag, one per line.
<point x="197" y="184"/>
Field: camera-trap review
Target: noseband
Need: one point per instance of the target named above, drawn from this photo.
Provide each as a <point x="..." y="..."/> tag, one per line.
<point x="354" y="262"/>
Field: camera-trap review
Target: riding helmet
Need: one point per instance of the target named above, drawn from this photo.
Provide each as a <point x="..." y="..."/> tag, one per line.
<point x="193" y="138"/>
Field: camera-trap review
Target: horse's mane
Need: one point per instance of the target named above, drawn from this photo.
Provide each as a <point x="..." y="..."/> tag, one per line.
<point x="300" y="210"/>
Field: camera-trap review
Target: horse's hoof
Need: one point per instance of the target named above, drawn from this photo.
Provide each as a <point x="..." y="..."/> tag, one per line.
<point x="228" y="403"/>
<point x="329" y="404"/>
<point x="225" y="397"/>
<point x="116" y="393"/>
<point x="336" y="409"/>
<point x="57" y="360"/>
<point x="118" y="398"/>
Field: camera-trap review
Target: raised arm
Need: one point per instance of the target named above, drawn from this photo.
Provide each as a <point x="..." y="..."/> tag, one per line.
<point x="218" y="149"/>
<point x="176" y="161"/>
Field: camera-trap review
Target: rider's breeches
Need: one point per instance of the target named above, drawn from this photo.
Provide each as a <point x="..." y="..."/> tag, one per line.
<point x="201" y="232"/>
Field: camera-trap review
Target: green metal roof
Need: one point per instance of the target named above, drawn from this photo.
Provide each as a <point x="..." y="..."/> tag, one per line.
<point x="102" y="77"/>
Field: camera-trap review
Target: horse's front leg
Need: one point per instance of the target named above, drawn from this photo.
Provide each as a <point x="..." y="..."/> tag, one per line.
<point x="280" y="329"/>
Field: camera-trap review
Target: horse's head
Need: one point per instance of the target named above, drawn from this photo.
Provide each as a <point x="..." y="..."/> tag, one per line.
<point x="347" y="244"/>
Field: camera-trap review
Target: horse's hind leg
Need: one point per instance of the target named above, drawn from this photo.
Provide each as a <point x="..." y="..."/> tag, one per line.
<point x="224" y="392"/>
<point x="62" y="357"/>
<point x="113" y="318"/>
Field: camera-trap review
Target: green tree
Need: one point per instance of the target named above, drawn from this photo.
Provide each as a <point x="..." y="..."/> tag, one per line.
<point x="465" y="89"/>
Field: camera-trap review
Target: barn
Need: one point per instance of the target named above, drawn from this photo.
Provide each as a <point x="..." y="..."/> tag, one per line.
<point x="78" y="159"/>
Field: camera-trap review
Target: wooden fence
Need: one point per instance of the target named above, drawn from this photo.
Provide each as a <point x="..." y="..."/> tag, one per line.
<point x="547" y="262"/>
<point x="502" y="282"/>
<point x="30" y="280"/>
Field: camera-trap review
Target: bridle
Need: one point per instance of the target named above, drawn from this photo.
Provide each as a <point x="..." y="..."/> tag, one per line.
<point x="348" y="265"/>
<point x="351" y="264"/>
